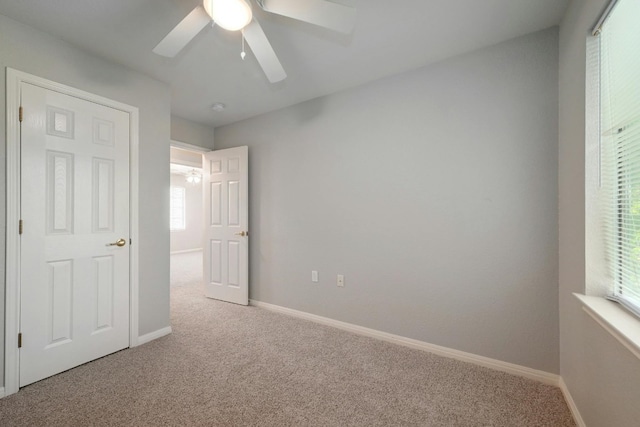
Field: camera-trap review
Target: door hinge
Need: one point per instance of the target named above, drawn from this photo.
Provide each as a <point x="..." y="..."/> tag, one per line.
<point x="20" y="114"/>
<point x="19" y="339"/>
<point x="20" y="227"/>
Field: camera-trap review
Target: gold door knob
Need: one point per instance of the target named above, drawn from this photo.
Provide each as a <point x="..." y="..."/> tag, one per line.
<point x="242" y="233"/>
<point x="120" y="242"/>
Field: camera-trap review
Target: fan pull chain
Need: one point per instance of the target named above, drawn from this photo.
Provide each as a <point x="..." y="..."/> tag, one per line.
<point x="243" y="54"/>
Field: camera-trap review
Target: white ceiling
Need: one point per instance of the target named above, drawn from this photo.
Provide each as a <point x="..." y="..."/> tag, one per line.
<point x="178" y="169"/>
<point x="187" y="158"/>
<point x="390" y="36"/>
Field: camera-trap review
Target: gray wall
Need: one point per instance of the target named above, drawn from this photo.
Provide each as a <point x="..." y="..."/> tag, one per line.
<point x="34" y="52"/>
<point x="192" y="133"/>
<point x="602" y="376"/>
<point x="434" y="192"/>
<point x="191" y="236"/>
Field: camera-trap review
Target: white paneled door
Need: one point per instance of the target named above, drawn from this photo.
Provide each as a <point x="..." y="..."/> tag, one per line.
<point x="226" y="240"/>
<point x="74" y="294"/>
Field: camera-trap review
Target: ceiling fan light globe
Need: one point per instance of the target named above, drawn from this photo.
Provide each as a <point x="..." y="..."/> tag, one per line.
<point x="193" y="177"/>
<point x="232" y="15"/>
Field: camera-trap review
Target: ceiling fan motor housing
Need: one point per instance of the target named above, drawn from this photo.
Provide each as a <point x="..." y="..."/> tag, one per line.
<point x="232" y="15"/>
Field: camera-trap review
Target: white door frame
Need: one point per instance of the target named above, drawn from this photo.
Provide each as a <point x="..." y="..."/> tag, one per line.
<point x="12" y="261"/>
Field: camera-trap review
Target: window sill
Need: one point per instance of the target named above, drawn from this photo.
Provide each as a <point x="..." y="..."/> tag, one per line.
<point x="624" y="326"/>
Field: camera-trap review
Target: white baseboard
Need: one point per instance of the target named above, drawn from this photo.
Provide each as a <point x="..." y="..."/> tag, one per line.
<point x="498" y="365"/>
<point x="571" y="404"/>
<point x="1" y="392"/>
<point x="143" y="339"/>
<point x="186" y="251"/>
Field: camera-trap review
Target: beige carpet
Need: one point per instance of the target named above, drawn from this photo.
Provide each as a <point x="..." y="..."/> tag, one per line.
<point x="186" y="268"/>
<point x="227" y="365"/>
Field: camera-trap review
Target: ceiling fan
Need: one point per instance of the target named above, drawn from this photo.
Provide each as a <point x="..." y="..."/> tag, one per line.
<point x="236" y="15"/>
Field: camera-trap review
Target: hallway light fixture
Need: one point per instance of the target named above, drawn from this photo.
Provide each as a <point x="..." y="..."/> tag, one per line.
<point x="193" y="177"/>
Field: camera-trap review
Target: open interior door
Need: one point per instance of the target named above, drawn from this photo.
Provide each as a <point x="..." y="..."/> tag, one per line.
<point x="226" y="221"/>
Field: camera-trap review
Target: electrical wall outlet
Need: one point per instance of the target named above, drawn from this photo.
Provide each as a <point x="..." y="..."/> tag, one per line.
<point x="340" y="281"/>
<point x="314" y="276"/>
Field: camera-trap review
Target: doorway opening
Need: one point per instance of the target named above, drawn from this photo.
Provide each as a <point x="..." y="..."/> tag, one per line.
<point x="209" y="222"/>
<point x="186" y="215"/>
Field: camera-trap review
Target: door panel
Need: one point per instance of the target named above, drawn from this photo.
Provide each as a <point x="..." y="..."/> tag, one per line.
<point x="74" y="302"/>
<point x="226" y="245"/>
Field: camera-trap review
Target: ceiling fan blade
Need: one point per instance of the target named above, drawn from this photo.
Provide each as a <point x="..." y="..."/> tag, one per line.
<point x="334" y="16"/>
<point x="183" y="33"/>
<point x="264" y="53"/>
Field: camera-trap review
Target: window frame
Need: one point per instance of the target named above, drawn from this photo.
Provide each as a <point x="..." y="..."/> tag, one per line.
<point x="616" y="172"/>
<point x="613" y="317"/>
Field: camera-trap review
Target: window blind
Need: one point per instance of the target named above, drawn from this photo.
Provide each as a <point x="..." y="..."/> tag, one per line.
<point x="177" y="209"/>
<point x="620" y="144"/>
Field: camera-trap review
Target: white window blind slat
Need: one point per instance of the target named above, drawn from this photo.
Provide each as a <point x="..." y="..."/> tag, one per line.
<point x="620" y="138"/>
<point x="177" y="209"/>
